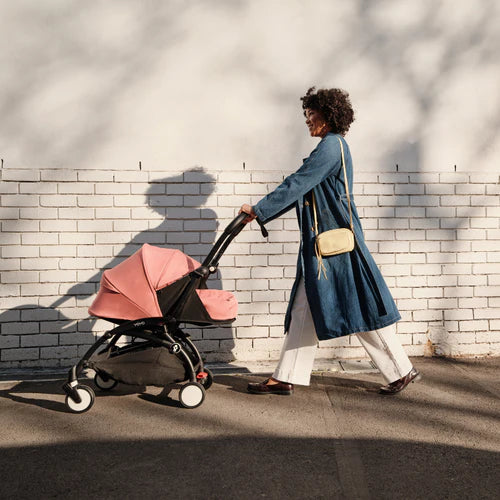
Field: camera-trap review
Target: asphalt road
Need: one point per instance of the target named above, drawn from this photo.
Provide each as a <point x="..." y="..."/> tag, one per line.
<point x="439" y="439"/>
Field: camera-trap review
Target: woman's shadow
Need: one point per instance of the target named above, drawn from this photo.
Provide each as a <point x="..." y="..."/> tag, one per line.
<point x="184" y="225"/>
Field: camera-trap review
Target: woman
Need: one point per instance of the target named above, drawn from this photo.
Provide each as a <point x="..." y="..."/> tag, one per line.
<point x="346" y="294"/>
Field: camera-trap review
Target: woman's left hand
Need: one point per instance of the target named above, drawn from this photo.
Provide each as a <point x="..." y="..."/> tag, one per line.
<point x="248" y="210"/>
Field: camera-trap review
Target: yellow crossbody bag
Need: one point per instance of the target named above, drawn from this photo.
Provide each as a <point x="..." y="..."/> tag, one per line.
<point x="334" y="241"/>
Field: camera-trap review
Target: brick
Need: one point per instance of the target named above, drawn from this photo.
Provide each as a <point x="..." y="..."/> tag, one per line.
<point x="113" y="213"/>
<point x="73" y="338"/>
<point x="453" y="178"/>
<point x="395" y="178"/>
<point x="39" y="340"/>
<point x="141" y="188"/>
<point x="424" y="246"/>
<point x="20" y="200"/>
<point x="77" y="238"/>
<point x="133" y="176"/>
<point x="9" y="213"/>
<point x="471" y="234"/>
<point x="58" y="276"/>
<point x="58" y="352"/>
<point x="441" y="258"/>
<point x="36" y="289"/>
<point x="484" y="201"/>
<point x="95" y="175"/>
<point x="58" y="251"/>
<point x="436" y="189"/>
<point x="476" y="222"/>
<point x="473" y="303"/>
<point x="40" y="238"/>
<point x="275" y="176"/>
<point x="379" y="189"/>
<point x="40" y="264"/>
<point x="440" y="234"/>
<point x="426" y="269"/>
<point x="428" y="315"/>
<point x="424" y="201"/>
<point x="59" y="175"/>
<point x="447" y="303"/>
<point x="440" y="212"/>
<point x="96" y="200"/>
<point x="442" y="280"/>
<point x="75" y="188"/>
<point x="230" y="176"/>
<point x="268" y="296"/>
<point x="467" y="326"/>
<point x="101" y="226"/>
<point x="11" y="238"/>
<point x="252" y="332"/>
<point x="37" y="188"/>
<point x="9" y="341"/>
<point x="471" y="257"/>
<point x="77" y="263"/>
<point x="176" y="238"/>
<point x="8" y="291"/>
<point x="58" y="200"/>
<point x="19" y="251"/>
<point x="21" y="175"/>
<point x="458" y="314"/>
<point x="411" y="235"/>
<point x="484" y="177"/>
<point x="487" y="291"/>
<point x="410" y="212"/>
<point x="38" y="213"/>
<point x="19" y="277"/>
<point x="10" y="264"/>
<point x="493" y="234"/>
<point x="455" y="201"/>
<point x="20" y="354"/>
<point x="487" y="313"/>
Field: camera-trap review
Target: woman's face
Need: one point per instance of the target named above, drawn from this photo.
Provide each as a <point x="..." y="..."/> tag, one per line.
<point x="316" y="123"/>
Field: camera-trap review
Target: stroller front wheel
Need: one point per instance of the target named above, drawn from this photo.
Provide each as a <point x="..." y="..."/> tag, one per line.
<point x="87" y="397"/>
<point x="104" y="382"/>
<point x="206" y="381"/>
<point x="192" y="395"/>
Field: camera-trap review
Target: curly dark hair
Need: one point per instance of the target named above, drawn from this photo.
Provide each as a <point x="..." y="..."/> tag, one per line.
<point x="333" y="104"/>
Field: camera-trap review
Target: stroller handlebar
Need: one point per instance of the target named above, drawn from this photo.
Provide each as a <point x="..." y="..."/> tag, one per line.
<point x="231" y="231"/>
<point x="236" y="222"/>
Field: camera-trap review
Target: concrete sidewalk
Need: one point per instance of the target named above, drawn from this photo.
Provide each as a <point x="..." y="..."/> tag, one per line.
<point x="336" y="439"/>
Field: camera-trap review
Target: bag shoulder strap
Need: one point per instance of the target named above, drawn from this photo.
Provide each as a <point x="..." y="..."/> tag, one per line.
<point x="347" y="192"/>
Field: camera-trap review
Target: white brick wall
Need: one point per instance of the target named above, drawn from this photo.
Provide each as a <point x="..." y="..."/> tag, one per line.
<point x="434" y="235"/>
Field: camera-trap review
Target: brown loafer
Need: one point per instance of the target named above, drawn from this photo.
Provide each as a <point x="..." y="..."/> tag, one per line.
<point x="282" y="388"/>
<point x="399" y="385"/>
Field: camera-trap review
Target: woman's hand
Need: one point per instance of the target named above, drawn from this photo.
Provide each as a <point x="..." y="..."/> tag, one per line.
<point x="248" y="210"/>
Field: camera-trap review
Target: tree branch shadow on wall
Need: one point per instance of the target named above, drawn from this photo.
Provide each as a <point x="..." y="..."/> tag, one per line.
<point x="162" y="197"/>
<point x="392" y="52"/>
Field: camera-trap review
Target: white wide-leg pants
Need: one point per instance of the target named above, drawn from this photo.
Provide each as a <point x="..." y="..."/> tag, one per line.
<point x="297" y="355"/>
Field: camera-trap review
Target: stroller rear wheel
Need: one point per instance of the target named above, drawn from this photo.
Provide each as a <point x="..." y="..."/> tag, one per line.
<point x="87" y="397"/>
<point x="104" y="382"/>
<point x="192" y="395"/>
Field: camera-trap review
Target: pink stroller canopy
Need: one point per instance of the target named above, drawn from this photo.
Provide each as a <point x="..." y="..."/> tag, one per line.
<point x="128" y="291"/>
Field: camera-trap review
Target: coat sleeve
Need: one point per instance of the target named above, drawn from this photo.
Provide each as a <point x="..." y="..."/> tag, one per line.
<point x="324" y="161"/>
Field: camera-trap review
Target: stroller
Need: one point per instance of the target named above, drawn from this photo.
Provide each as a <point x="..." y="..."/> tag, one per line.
<point x="148" y="296"/>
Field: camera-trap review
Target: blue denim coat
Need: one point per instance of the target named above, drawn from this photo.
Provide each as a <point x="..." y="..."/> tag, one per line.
<point x="354" y="297"/>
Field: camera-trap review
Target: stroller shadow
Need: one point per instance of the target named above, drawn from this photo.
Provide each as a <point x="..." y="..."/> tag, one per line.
<point x="163" y="398"/>
<point x="48" y="395"/>
<point x="184" y="224"/>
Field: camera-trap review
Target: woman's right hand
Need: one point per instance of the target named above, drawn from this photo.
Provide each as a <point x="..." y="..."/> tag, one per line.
<point x="248" y="210"/>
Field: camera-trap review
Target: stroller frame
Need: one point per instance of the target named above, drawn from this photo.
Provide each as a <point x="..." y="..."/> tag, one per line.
<point x="161" y="332"/>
